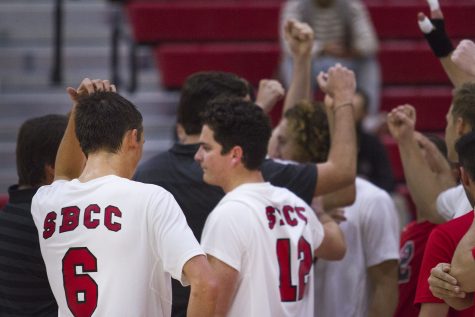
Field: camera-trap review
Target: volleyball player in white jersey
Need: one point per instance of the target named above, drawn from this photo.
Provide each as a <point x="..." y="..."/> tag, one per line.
<point x="111" y="244"/>
<point x="261" y="240"/>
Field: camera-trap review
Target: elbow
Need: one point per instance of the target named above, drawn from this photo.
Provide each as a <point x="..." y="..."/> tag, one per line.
<point x="205" y="288"/>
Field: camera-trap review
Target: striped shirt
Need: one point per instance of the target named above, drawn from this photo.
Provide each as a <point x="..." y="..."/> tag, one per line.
<point x="24" y="287"/>
<point x="328" y="24"/>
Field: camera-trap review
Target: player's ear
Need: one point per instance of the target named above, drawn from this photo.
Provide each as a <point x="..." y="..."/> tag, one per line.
<point x="236" y="154"/>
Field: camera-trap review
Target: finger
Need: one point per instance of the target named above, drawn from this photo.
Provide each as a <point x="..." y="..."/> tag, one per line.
<point x="98" y="85"/>
<point x="433" y="5"/>
<point x="86" y="86"/>
<point x="113" y="88"/>
<point x="107" y="85"/>
<point x="425" y="25"/>
<point x="322" y="79"/>
<point x="72" y="93"/>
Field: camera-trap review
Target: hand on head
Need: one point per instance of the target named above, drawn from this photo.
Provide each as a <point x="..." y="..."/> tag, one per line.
<point x="88" y="86"/>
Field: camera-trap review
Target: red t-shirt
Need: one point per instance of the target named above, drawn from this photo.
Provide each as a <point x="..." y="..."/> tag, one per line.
<point x="413" y="242"/>
<point x="440" y="248"/>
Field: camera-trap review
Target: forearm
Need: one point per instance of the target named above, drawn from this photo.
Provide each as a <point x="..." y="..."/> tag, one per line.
<point x="202" y="301"/>
<point x="421" y="181"/>
<point x="70" y="159"/>
<point x="333" y="246"/>
<point x="456" y="75"/>
<point x="463" y="262"/>
<point x="343" y="144"/>
<point x="340" y="198"/>
<point x="300" y="86"/>
<point x="384" y="301"/>
<point x="460" y="303"/>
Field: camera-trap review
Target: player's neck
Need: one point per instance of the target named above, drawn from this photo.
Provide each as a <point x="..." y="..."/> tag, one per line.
<point x="104" y="164"/>
<point x="244" y="176"/>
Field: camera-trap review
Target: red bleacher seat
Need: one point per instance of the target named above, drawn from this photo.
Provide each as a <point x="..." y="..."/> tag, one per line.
<point x="155" y="22"/>
<point x="431" y="103"/>
<point x="398" y="18"/>
<point x="252" y="61"/>
<point x="3" y="200"/>
<point x="410" y="63"/>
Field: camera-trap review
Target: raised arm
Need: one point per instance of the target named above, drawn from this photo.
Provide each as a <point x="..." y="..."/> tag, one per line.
<point x="438" y="40"/>
<point x="424" y="184"/>
<point x="70" y="159"/>
<point x="299" y="38"/>
<point x="269" y="93"/>
<point x="339" y="170"/>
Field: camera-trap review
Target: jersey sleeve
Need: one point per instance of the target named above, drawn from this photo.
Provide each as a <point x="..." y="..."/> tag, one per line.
<point x="436" y="252"/>
<point x="225" y="235"/>
<point x="301" y="179"/>
<point x="380" y="228"/>
<point x="175" y="242"/>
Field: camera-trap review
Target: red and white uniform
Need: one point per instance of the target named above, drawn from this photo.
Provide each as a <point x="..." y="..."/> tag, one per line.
<point x="413" y="242"/>
<point x="110" y="246"/>
<point x="440" y="248"/>
<point x="269" y="236"/>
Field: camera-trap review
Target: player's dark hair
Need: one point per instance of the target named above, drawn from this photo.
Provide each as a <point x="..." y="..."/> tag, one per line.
<point x="236" y="122"/>
<point x="199" y="89"/>
<point x="464" y="103"/>
<point x="465" y="148"/>
<point x="102" y="119"/>
<point x="37" y="143"/>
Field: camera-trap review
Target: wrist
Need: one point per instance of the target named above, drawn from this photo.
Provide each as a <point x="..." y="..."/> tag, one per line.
<point x="438" y="39"/>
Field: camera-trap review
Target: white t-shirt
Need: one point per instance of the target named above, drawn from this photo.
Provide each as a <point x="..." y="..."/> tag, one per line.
<point x="453" y="203"/>
<point x="372" y="237"/>
<point x="110" y="246"/>
<point x="269" y="235"/>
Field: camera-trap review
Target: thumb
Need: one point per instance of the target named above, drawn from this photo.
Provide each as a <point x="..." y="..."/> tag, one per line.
<point x="72" y="93"/>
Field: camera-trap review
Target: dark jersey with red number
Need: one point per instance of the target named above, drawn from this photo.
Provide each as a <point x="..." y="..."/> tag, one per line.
<point x="413" y="242"/>
<point x="440" y="248"/>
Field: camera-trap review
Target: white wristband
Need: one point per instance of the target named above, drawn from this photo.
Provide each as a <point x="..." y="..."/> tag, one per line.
<point x="426" y="25"/>
<point x="433" y="5"/>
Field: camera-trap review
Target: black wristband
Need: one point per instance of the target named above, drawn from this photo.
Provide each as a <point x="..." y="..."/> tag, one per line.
<point x="438" y="39"/>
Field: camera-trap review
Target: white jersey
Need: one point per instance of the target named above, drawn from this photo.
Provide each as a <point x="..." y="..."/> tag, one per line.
<point x="269" y="236"/>
<point x="453" y="203"/>
<point x="110" y="246"/>
<point x="371" y="233"/>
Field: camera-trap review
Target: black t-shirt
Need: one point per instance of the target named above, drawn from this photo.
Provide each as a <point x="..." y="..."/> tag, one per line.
<point x="24" y="287"/>
<point x="178" y="172"/>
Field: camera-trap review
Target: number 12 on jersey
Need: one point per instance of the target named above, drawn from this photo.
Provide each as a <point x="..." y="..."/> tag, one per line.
<point x="288" y="291"/>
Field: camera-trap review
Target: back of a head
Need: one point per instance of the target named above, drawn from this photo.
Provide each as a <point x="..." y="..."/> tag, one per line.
<point x="464" y="103"/>
<point x="201" y="88"/>
<point x="236" y="122"/>
<point x="466" y="151"/>
<point x="308" y="128"/>
<point x="102" y="119"/>
<point x="37" y="143"/>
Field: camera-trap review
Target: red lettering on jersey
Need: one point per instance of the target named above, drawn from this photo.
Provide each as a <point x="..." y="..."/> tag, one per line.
<point x="88" y="222"/>
<point x="110" y="211"/>
<point x="300" y="213"/>
<point x="290" y="221"/>
<point x="270" y="212"/>
<point x="49" y="226"/>
<point x="70" y="219"/>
